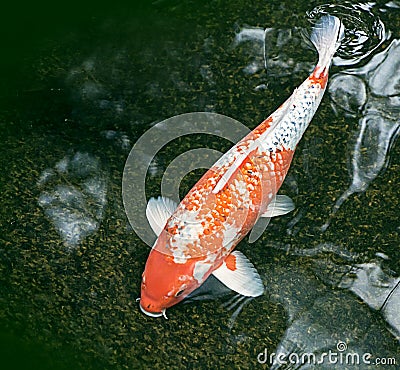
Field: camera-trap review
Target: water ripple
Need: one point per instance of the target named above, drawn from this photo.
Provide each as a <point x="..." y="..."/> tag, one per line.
<point x="364" y="31"/>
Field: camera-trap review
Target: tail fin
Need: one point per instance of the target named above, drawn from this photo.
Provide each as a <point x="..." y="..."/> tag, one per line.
<point x="326" y="37"/>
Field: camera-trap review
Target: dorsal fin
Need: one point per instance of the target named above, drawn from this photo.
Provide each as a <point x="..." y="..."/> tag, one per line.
<point x="279" y="206"/>
<point x="234" y="167"/>
<point x="277" y="116"/>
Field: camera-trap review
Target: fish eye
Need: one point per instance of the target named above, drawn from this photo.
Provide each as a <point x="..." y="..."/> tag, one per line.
<point x="179" y="292"/>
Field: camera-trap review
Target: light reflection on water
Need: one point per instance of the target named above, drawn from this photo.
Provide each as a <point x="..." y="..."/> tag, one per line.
<point x="374" y="91"/>
<point x="268" y="50"/>
<point x="376" y="288"/>
<point x="320" y="310"/>
<point x="73" y="196"/>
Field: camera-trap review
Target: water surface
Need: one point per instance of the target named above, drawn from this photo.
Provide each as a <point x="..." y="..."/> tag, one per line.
<point x="79" y="90"/>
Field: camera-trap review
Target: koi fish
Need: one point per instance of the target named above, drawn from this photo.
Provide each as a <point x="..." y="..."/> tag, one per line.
<point x="196" y="238"/>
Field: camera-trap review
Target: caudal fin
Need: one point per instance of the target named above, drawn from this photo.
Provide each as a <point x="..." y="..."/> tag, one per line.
<point x="326" y="37"/>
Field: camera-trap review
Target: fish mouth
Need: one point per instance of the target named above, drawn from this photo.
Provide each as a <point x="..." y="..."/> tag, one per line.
<point x="154" y="314"/>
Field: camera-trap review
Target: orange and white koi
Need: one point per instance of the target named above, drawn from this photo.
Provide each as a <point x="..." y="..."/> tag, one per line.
<point x="197" y="237"/>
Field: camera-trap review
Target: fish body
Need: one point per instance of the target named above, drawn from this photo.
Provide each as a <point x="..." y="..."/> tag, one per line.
<point x="197" y="237"/>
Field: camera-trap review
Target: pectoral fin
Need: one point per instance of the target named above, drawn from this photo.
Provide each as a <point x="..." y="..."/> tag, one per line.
<point x="158" y="212"/>
<point x="239" y="274"/>
<point x="258" y="229"/>
<point x="279" y="206"/>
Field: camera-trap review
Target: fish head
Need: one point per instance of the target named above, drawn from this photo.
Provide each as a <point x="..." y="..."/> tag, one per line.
<point x="166" y="282"/>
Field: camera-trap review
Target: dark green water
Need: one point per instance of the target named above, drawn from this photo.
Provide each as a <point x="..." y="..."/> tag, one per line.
<point x="79" y="85"/>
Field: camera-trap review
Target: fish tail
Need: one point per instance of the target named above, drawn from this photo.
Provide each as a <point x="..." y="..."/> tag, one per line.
<point x="326" y="37"/>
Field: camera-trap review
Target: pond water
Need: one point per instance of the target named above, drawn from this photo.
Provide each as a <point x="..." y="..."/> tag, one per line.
<point x="79" y="87"/>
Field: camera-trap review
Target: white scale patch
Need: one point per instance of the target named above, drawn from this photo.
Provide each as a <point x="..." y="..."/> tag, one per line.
<point x="190" y="226"/>
<point x="287" y="133"/>
<point x="200" y="269"/>
<point x="190" y="229"/>
<point x="241" y="188"/>
<point x="230" y="235"/>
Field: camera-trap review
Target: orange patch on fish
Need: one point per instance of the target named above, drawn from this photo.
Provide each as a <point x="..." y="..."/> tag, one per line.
<point x="231" y="262"/>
